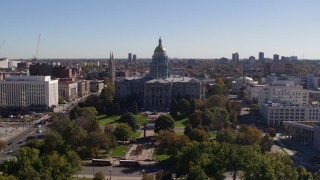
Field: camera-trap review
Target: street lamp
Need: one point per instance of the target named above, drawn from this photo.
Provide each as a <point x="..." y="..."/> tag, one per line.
<point x="110" y="172"/>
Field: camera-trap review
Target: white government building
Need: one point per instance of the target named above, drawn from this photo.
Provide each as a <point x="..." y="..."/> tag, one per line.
<point x="28" y="92"/>
<point x="156" y="91"/>
<point x="285" y="101"/>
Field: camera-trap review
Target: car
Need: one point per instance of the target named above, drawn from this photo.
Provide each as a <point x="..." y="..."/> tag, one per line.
<point x="20" y="142"/>
<point x="9" y="143"/>
<point x="39" y="131"/>
<point x="10" y="152"/>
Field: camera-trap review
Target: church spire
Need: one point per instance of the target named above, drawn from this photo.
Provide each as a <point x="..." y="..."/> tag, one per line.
<point x="112" y="68"/>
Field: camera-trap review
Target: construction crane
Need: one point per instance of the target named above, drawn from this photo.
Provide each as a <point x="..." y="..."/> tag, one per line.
<point x="36" y="55"/>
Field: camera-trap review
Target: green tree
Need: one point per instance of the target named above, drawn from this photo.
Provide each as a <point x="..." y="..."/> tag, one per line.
<point x="266" y="143"/>
<point x="98" y="140"/>
<point x="59" y="122"/>
<point x="36" y="144"/>
<point x="198" y="135"/>
<point x="53" y="142"/>
<point x="61" y="100"/>
<point x="200" y="160"/>
<point x="168" y="142"/>
<point x="216" y="101"/>
<point x="163" y="175"/>
<point x="192" y="106"/>
<point x="215" y="118"/>
<point x="99" y="176"/>
<point x="173" y="108"/>
<point x="219" y="81"/>
<point x="183" y="106"/>
<point x="195" y="120"/>
<point x="86" y="118"/>
<point x="75" y="136"/>
<point x="303" y="173"/>
<point x="249" y="135"/>
<point x="123" y="132"/>
<point x="227" y="135"/>
<point x="316" y="176"/>
<point x="164" y="122"/>
<point x="215" y="89"/>
<point x="129" y="119"/>
<point x="272" y="131"/>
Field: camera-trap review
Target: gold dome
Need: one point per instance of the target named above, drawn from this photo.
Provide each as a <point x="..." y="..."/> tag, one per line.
<point x="159" y="48"/>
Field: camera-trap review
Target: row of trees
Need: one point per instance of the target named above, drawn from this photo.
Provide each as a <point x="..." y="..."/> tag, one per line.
<point x="211" y="160"/>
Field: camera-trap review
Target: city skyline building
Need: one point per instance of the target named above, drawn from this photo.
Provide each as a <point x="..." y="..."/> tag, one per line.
<point x="129" y="57"/>
<point x="261" y="56"/>
<point x="28" y="93"/>
<point x="235" y="57"/>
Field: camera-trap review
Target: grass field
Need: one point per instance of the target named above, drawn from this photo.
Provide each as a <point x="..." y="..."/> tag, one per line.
<point x="179" y="133"/>
<point x="103" y="120"/>
<point x="137" y="134"/>
<point x="119" y="151"/>
<point x="161" y="157"/>
<point x="181" y="122"/>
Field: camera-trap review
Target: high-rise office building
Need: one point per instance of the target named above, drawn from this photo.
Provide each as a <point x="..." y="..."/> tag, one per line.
<point x="261" y="56"/>
<point x="129" y="57"/>
<point x="276" y="57"/>
<point x="235" y="57"/>
<point x="134" y="58"/>
<point x="28" y="92"/>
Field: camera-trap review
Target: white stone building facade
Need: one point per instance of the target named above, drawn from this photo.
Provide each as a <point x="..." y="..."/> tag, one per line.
<point x="28" y="91"/>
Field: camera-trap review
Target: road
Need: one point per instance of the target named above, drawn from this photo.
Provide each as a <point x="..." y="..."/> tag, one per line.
<point x="15" y="145"/>
<point x="120" y="171"/>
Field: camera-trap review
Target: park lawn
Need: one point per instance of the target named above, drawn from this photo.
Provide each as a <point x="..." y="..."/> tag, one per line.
<point x="161" y="157"/>
<point x="179" y="133"/>
<point x="119" y="151"/>
<point x="141" y="119"/>
<point x="137" y="134"/>
<point x="181" y="122"/>
<point x="107" y="120"/>
<point x="103" y="120"/>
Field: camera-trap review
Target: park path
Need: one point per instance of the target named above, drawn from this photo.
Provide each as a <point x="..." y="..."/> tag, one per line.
<point x="148" y="149"/>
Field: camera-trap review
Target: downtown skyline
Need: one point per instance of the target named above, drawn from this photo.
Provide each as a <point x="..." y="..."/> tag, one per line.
<point x="210" y="29"/>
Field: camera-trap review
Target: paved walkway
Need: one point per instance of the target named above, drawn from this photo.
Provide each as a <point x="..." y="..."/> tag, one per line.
<point x="148" y="150"/>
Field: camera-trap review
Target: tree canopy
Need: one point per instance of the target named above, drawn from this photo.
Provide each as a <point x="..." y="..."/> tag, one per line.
<point x="164" y="122"/>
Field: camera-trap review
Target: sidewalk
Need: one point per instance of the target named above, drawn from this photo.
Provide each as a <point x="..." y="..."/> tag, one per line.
<point x="112" y="177"/>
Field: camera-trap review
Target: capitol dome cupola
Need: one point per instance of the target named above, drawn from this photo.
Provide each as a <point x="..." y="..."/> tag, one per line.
<point x="159" y="64"/>
<point x="160" y="48"/>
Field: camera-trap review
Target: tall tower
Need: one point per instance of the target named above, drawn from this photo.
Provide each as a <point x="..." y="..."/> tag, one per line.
<point x="159" y="64"/>
<point x="112" y="68"/>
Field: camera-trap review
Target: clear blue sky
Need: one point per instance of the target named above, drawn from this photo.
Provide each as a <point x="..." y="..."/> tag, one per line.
<point x="189" y="28"/>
